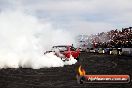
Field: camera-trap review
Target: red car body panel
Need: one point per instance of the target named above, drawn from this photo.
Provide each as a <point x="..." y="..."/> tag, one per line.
<point x="70" y="51"/>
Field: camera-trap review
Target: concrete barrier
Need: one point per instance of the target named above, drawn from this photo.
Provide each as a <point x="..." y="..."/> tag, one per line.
<point x="114" y="51"/>
<point x="127" y="51"/>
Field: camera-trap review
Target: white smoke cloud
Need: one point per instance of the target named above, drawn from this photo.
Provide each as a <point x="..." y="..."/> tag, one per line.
<point x="23" y="40"/>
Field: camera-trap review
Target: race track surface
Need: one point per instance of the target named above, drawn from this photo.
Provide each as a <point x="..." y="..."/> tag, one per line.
<point x="66" y="76"/>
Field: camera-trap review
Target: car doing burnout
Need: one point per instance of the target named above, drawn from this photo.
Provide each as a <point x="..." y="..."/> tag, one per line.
<point x="65" y="52"/>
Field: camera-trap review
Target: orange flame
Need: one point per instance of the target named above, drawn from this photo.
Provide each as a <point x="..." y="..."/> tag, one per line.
<point x="81" y="71"/>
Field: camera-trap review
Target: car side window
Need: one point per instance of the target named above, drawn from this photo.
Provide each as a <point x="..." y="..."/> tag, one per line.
<point x="73" y="49"/>
<point x="62" y="48"/>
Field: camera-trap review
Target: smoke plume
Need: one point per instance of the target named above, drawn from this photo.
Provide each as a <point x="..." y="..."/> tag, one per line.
<point x="24" y="39"/>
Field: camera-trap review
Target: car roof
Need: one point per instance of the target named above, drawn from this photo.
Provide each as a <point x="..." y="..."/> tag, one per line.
<point x="63" y="46"/>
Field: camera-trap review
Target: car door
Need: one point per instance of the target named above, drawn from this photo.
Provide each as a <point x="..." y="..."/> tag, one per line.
<point x="73" y="52"/>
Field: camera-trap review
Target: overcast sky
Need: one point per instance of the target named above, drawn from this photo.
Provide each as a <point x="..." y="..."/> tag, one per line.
<point x="77" y="16"/>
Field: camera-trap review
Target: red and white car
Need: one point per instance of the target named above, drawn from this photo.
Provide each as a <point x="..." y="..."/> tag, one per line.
<point x="65" y="52"/>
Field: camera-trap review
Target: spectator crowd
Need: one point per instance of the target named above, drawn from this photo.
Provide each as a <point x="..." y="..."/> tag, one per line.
<point x="113" y="39"/>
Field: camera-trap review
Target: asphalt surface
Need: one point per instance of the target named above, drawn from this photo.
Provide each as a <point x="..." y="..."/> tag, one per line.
<point x="66" y="76"/>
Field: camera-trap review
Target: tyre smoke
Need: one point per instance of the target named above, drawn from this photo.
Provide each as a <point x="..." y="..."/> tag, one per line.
<point x="24" y="39"/>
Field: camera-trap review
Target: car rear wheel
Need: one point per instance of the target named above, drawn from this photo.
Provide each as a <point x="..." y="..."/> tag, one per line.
<point x="77" y="58"/>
